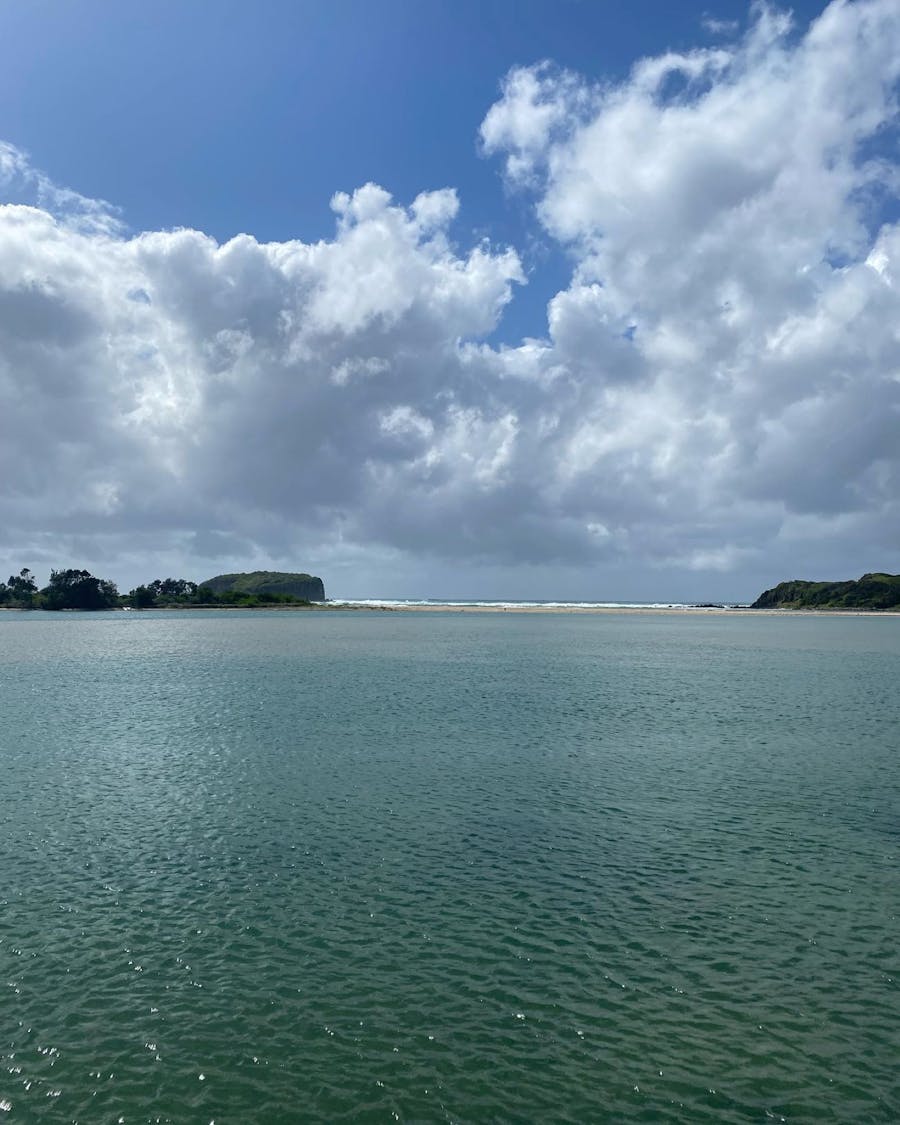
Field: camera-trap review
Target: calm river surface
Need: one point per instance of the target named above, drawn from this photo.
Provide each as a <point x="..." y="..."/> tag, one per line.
<point x="356" y="866"/>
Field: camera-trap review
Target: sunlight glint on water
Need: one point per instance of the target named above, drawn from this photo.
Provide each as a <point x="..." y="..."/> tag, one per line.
<point x="446" y="867"/>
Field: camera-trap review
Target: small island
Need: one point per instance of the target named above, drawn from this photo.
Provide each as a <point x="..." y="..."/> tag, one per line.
<point x="872" y="592"/>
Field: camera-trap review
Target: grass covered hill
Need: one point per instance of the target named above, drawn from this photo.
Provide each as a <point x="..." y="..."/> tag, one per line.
<point x="268" y="582"/>
<point x="872" y="591"/>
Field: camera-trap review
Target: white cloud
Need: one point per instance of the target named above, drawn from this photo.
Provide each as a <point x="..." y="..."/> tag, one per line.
<point x="721" y="208"/>
<point x="719" y="26"/>
<point x="717" y="388"/>
<point x="167" y="386"/>
<point x="19" y="176"/>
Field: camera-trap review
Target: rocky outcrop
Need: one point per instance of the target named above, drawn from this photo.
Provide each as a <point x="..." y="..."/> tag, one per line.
<point x="306" y="586"/>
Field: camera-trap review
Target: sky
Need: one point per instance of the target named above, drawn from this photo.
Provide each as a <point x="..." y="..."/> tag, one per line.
<point x="487" y="298"/>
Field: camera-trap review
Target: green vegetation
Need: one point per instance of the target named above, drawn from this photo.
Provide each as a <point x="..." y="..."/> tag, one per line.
<point x="67" y="589"/>
<point x="162" y="592"/>
<point x="20" y="591"/>
<point x="168" y="593"/>
<point x="79" y="589"/>
<point x="258" y="582"/>
<point x="872" y="591"/>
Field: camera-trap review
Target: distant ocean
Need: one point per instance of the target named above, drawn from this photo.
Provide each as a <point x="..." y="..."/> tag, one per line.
<point x="323" y="867"/>
<point x="400" y="603"/>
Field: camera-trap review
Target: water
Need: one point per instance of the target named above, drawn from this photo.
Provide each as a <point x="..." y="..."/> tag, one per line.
<point x="446" y="603"/>
<point x="349" y="866"/>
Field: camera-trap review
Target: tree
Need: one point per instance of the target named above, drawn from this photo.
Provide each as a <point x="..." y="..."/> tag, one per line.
<point x="162" y="592"/>
<point x="20" y="589"/>
<point x="176" y="588"/>
<point x="79" y="589"/>
<point x="142" y="597"/>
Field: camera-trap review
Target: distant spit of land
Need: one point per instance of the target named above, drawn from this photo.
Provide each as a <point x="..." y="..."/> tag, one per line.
<point x="876" y="593"/>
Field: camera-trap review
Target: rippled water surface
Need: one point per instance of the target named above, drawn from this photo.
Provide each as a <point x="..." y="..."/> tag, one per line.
<point x="281" y="867"/>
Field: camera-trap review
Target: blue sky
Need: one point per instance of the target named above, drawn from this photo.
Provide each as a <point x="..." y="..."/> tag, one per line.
<point x="237" y="118"/>
<point x="639" y="347"/>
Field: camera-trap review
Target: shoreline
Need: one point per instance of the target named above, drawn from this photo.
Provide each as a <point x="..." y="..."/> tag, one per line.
<point x="645" y="610"/>
<point x="356" y="607"/>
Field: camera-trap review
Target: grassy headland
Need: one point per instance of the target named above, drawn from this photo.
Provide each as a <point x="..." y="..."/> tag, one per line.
<point x="872" y="591"/>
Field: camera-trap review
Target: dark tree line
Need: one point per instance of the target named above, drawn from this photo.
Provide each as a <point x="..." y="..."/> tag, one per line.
<point x="79" y="589"/>
<point x="164" y="591"/>
<point x="67" y="589"/>
<point x="180" y="592"/>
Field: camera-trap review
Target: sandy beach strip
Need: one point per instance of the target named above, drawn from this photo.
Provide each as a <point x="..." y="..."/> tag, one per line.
<point x="639" y="610"/>
<point x="393" y="607"/>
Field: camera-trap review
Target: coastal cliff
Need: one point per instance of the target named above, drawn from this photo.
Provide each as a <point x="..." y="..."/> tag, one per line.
<point x="306" y="586"/>
<point x="872" y="591"/>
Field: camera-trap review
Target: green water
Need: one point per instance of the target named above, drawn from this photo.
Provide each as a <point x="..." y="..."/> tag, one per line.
<point x="288" y="867"/>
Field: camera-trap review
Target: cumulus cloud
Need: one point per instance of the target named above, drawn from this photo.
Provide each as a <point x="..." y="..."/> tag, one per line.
<point x="170" y="387"/>
<point x="718" y="384"/>
<point x="723" y="211"/>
